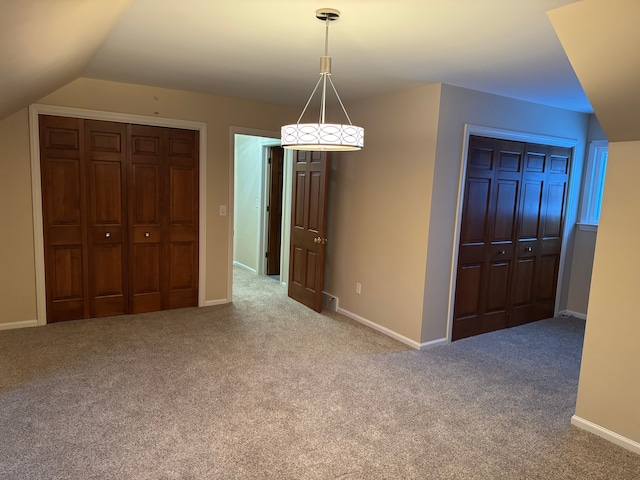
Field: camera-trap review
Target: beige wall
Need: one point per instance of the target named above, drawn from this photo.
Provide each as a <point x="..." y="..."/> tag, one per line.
<point x="393" y="205"/>
<point x="17" y="301"/>
<point x="609" y="390"/>
<point x="17" y="269"/>
<point x="378" y="215"/>
<point x="457" y="107"/>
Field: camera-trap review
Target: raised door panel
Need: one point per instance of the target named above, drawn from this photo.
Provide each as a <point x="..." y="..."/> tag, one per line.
<point x="105" y="146"/>
<point x="531" y="204"/>
<point x="475" y="211"/>
<point x="181" y="281"/>
<point x="64" y="209"/>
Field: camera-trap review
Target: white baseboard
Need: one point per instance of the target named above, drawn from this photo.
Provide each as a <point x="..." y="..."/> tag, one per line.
<point x="23" y="324"/>
<point x="613" y="437"/>
<point x="391" y="333"/>
<point x="220" y="301"/>
<point x="571" y="313"/>
<point x="433" y="343"/>
<point x="244" y="267"/>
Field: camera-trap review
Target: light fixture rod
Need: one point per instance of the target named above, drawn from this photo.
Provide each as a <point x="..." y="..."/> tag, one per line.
<point x="323" y="107"/>
<point x="326" y="38"/>
<point x="340" y="100"/>
<point x="309" y="101"/>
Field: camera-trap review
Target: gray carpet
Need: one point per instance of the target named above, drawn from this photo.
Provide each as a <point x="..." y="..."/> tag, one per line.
<point x="267" y="389"/>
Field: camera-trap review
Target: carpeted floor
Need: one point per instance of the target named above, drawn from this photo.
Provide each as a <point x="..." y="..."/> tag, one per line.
<point x="267" y="389"/>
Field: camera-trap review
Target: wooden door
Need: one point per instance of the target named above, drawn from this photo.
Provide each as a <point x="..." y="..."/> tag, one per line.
<point x="539" y="234"/>
<point x="163" y="218"/>
<point x="106" y="156"/>
<point x="64" y="210"/>
<point x="181" y="187"/>
<point x="486" y="251"/>
<point x="146" y="227"/>
<point x="511" y="235"/>
<point x="308" y="227"/>
<point x="274" y="209"/>
<point x="120" y="217"/>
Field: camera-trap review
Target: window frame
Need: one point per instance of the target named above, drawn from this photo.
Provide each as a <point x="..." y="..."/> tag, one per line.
<point x="593" y="185"/>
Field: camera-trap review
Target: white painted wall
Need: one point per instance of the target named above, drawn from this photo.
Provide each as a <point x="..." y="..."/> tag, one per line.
<point x="248" y="200"/>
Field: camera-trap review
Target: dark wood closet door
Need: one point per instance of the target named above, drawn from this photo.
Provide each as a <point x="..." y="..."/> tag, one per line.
<point x="64" y="210"/>
<point x="308" y="224"/>
<point x="181" y="281"/>
<point x="511" y="235"/>
<point x="147" y="201"/>
<point x="539" y="238"/>
<point x="486" y="252"/>
<point x="106" y="155"/>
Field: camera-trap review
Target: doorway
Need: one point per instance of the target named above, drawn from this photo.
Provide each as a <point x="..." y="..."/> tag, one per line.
<point x="260" y="204"/>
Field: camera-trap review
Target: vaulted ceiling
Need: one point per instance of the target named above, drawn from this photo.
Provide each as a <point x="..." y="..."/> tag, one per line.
<point x="269" y="49"/>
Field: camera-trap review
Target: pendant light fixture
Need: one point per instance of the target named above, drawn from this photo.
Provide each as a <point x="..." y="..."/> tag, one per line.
<point x="323" y="136"/>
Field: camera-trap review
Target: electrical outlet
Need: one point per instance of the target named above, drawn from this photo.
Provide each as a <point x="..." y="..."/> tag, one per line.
<point x="358" y="288"/>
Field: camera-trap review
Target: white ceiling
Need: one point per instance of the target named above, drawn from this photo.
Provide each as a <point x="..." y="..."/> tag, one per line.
<point x="269" y="49"/>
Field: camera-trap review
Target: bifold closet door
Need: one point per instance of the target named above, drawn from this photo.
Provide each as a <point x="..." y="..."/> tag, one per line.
<point x="64" y="203"/>
<point x="511" y="234"/>
<point x="487" y="247"/>
<point x="163" y="218"/>
<point x="539" y="234"/>
<point x="120" y="217"/>
<point x="106" y="169"/>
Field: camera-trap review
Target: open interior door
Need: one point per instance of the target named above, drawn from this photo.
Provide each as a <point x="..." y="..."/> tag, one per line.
<point x="308" y="227"/>
<point x="274" y="209"/>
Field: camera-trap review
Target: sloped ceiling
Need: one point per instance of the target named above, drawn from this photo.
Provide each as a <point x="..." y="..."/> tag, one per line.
<point x="46" y="44"/>
<point x="602" y="41"/>
<point x="269" y="49"/>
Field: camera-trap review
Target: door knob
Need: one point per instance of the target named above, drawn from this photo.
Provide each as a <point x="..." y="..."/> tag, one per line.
<point x="317" y="240"/>
<point x="147" y="234"/>
<point x="503" y="252"/>
<point x="529" y="249"/>
<point x="107" y="235"/>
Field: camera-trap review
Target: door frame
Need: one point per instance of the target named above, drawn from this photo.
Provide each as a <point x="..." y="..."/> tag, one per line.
<point x="286" y="203"/>
<point x="570" y="201"/>
<point x="36" y="186"/>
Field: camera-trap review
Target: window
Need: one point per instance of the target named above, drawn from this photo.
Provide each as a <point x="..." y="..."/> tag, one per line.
<point x="593" y="187"/>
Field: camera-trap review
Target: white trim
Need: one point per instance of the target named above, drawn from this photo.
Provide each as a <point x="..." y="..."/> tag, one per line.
<point x="591" y="177"/>
<point x="391" y="333"/>
<point x="587" y="227"/>
<point x="220" y="301"/>
<point x="433" y="343"/>
<point x="571" y="313"/>
<point x="22" y="324"/>
<point x="244" y="267"/>
<point x="609" y="435"/>
<point x="470" y="129"/>
<point x="36" y="186"/>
